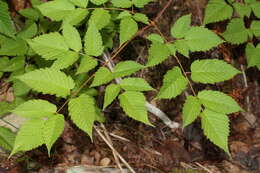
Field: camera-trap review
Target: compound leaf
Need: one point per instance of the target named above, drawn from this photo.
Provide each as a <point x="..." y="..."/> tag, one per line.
<point x="135" y="84"/>
<point x="111" y="93"/>
<point x="216" y="127"/>
<point x="212" y="71"/>
<point x="128" y="28"/>
<point x="173" y="84"/>
<point x="35" y="109"/>
<point x="48" y="81"/>
<point x="102" y="76"/>
<point x="218" y="102"/>
<point x="191" y="110"/>
<point x="133" y="103"/>
<point x="126" y="68"/>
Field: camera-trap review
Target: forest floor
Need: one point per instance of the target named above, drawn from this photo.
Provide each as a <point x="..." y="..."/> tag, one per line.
<point x="161" y="149"/>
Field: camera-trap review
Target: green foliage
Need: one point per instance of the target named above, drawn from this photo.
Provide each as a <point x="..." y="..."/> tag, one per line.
<point x="80" y="3"/>
<point x="255" y="27"/>
<point x="100" y="18"/>
<point x="181" y="26"/>
<point x="128" y="28"/>
<point x="87" y="63"/>
<point x="122" y="3"/>
<point x="158" y="52"/>
<point x="174" y="84"/>
<point x="72" y="37"/>
<point x="98" y="2"/>
<point x="139" y="17"/>
<point x="135" y="84"/>
<point x="7" y="138"/>
<point x="111" y="93"/>
<point x="155" y="38"/>
<point x="6" y="24"/>
<point x="252" y="54"/>
<point x="133" y="103"/>
<point x="126" y="68"/>
<point x="212" y="71"/>
<point x="191" y="110"/>
<point x="102" y="76"/>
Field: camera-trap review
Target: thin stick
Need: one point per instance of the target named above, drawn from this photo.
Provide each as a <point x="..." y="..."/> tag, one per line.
<point x="246" y="86"/>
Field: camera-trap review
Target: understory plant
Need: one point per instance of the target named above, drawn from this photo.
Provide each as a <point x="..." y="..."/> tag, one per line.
<point x="61" y="49"/>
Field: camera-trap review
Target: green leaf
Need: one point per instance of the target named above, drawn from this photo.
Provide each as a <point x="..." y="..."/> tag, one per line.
<point x="82" y="111"/>
<point x="29" y="31"/>
<point x="102" y="76"/>
<point x="57" y="9"/>
<point x="236" y="32"/>
<point x="218" y="102"/>
<point x="98" y="2"/>
<point x="135" y="84"/>
<point x="93" y="41"/>
<point x="6" y="24"/>
<point x="80" y="3"/>
<point x="181" y="26"/>
<point x="13" y="47"/>
<point x="20" y="88"/>
<point x="72" y="37"/>
<point x="124" y="14"/>
<point x="126" y="68"/>
<point x="52" y="129"/>
<point x="255" y="27"/>
<point x="111" y="93"/>
<point x="182" y="47"/>
<point x="49" y="46"/>
<point x="16" y="63"/>
<point x="172" y="48"/>
<point x="6" y="107"/>
<point x="76" y="16"/>
<point x="30" y="13"/>
<point x="155" y="38"/>
<point x="252" y="54"/>
<point x="216" y="127"/>
<point x="174" y="83"/>
<point x="256" y="8"/>
<point x="212" y="71"/>
<point x="158" y="52"/>
<point x="191" y="110"/>
<point x="87" y="63"/>
<point x="133" y="103"/>
<point x="7" y="138"/>
<point x="122" y="3"/>
<point x="48" y="81"/>
<point x="128" y="28"/>
<point x="139" y="17"/>
<point x="66" y="61"/>
<point x="35" y="109"/>
<point x="242" y="9"/>
<point x="196" y="38"/>
<point x="217" y="10"/>
<point x="29" y="136"/>
<point x="100" y="18"/>
<point x="141" y="3"/>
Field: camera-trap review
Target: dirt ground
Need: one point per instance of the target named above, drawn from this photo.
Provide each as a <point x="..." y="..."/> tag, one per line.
<point x="160" y="149"/>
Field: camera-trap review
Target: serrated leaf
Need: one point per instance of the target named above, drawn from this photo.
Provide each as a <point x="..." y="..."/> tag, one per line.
<point x="128" y="28"/>
<point x="102" y="76"/>
<point x="13" y="47"/>
<point x="212" y="71"/>
<point x="6" y="24"/>
<point x="158" y="52"/>
<point x="76" y="16"/>
<point x="256" y="8"/>
<point x="181" y="26"/>
<point x="196" y="38"/>
<point x="182" y="47"/>
<point x="82" y="111"/>
<point x="30" y="13"/>
<point x="216" y="127"/>
<point x="80" y="3"/>
<point x="29" y="136"/>
<point x="93" y="41"/>
<point x="133" y="103"/>
<point x="218" y="102"/>
<point x="139" y="17"/>
<point x="236" y="32"/>
<point x="98" y="2"/>
<point x="52" y="129"/>
<point x="66" y="61"/>
<point x="48" y="81"/>
<point x="14" y="64"/>
<point x="28" y="31"/>
<point x="7" y="138"/>
<point x="141" y="3"/>
<point x="174" y="84"/>
<point x="242" y="9"/>
<point x="111" y="93"/>
<point x="122" y="3"/>
<point x="135" y="84"/>
<point x="191" y="110"/>
<point x="50" y="46"/>
<point x="155" y="38"/>
<point x="20" y="88"/>
<point x="217" y="10"/>
<point x="255" y="28"/>
<point x="252" y="54"/>
<point x="71" y="36"/>
<point x="57" y="9"/>
<point x="35" y="109"/>
<point x="100" y="18"/>
<point x="87" y="63"/>
<point x="126" y="68"/>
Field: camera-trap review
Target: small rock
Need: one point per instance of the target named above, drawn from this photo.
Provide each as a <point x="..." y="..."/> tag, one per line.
<point x="105" y="161"/>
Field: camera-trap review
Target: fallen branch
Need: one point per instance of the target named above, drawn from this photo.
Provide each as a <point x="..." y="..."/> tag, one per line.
<point x="151" y="108"/>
